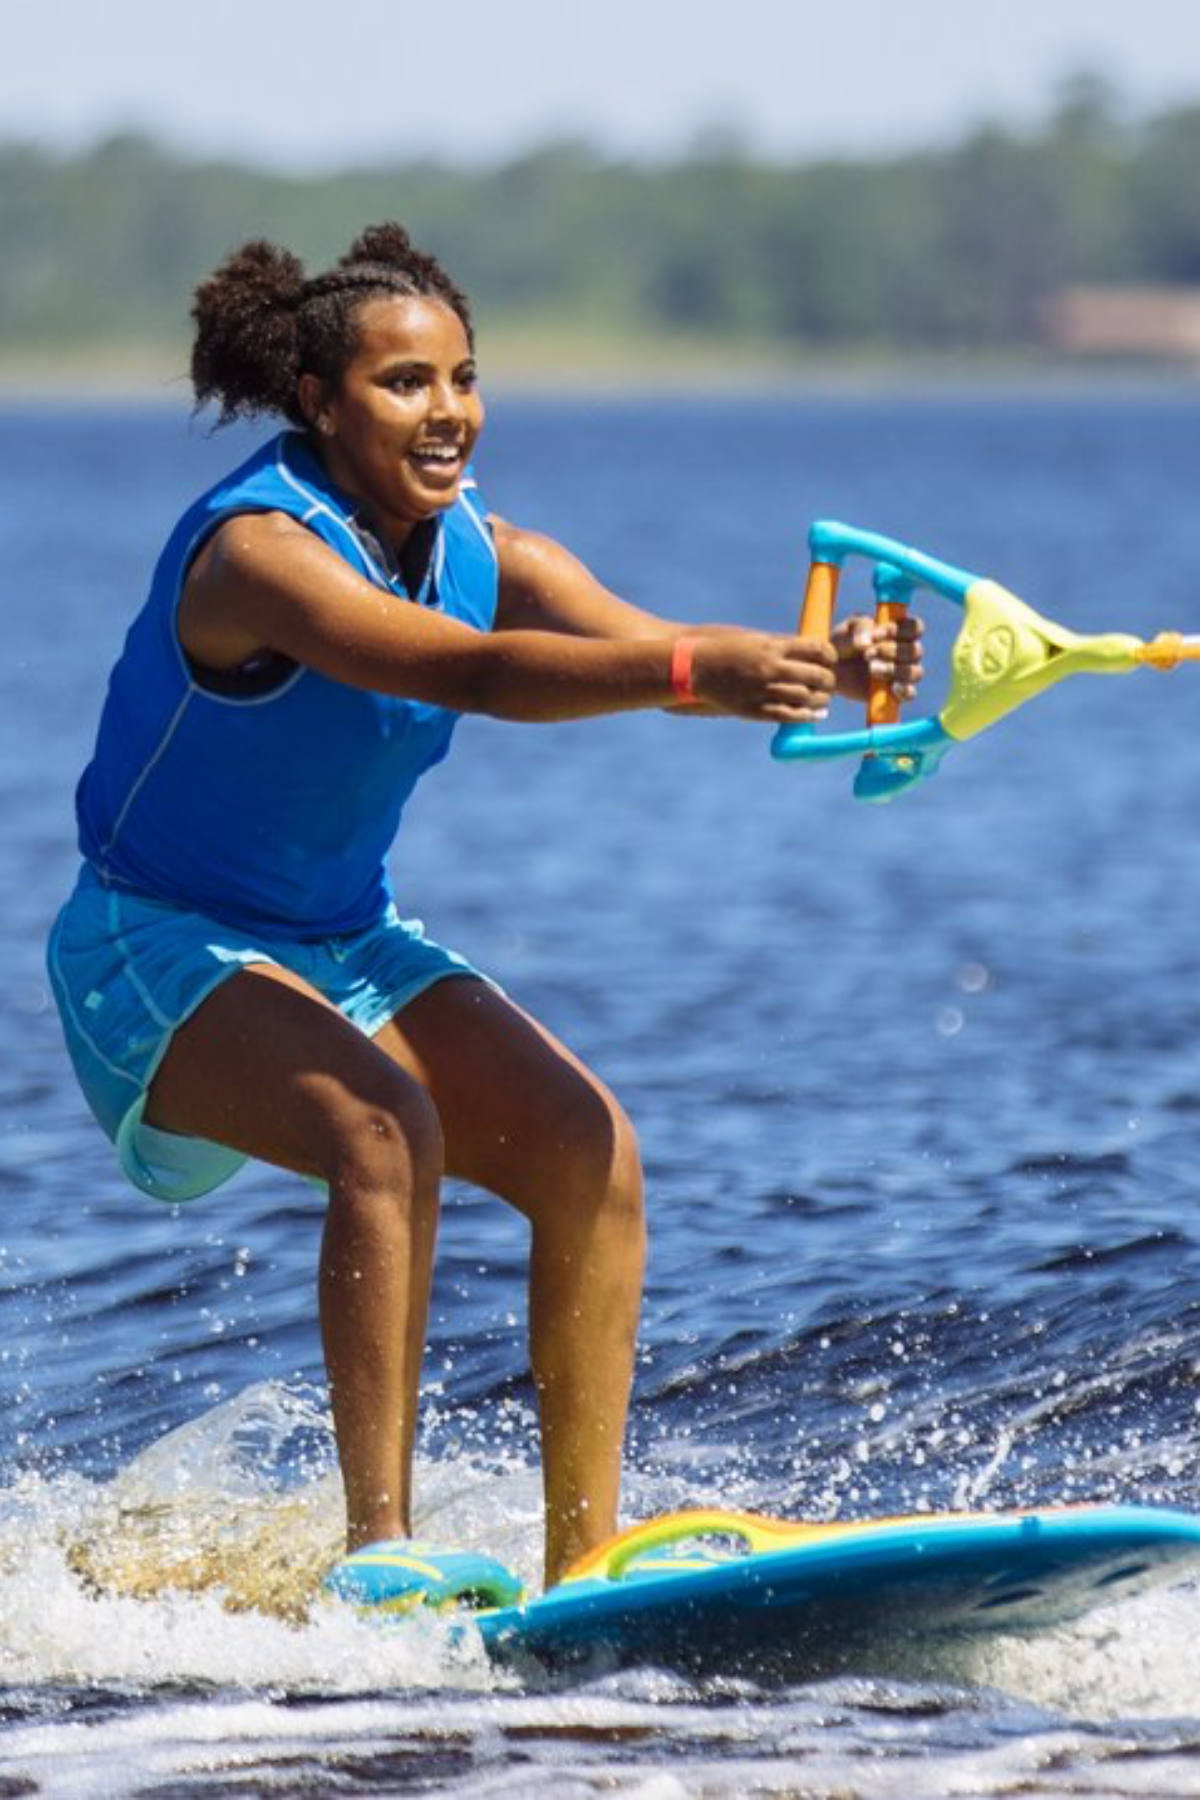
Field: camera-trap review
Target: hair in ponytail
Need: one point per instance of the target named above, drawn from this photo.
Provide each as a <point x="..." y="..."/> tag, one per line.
<point x="260" y="324"/>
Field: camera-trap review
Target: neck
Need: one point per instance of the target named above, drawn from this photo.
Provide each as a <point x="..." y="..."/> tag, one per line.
<point x="396" y="531"/>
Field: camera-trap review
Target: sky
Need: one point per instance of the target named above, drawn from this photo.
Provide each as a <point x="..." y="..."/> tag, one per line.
<point x="297" y="84"/>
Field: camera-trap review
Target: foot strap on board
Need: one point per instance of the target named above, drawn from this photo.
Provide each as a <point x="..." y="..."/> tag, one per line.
<point x="396" y="1575"/>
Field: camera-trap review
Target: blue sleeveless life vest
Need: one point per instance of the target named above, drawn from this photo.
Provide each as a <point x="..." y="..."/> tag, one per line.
<point x="272" y="812"/>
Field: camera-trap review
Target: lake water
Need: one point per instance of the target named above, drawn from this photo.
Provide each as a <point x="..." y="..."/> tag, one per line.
<point x="919" y="1094"/>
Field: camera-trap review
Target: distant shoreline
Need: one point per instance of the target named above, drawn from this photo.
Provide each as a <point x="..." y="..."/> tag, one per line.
<point x="550" y="365"/>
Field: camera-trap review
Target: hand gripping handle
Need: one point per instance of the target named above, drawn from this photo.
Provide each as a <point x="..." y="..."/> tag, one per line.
<point x="894" y="754"/>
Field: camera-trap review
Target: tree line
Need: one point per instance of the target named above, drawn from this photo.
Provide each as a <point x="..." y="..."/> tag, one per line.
<point x="954" y="248"/>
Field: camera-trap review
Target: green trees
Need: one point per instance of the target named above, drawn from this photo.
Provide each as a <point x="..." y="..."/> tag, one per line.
<point x="952" y="249"/>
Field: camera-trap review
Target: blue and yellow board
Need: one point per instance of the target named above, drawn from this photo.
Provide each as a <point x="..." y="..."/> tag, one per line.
<point x="737" y="1594"/>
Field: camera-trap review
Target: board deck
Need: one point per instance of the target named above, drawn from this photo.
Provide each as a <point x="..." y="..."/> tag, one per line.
<point x="811" y="1600"/>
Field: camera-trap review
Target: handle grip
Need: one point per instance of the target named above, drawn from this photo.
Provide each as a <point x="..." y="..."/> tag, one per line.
<point x="820" y="599"/>
<point x="883" y="707"/>
<point x="882" y="775"/>
<point x="895" y="754"/>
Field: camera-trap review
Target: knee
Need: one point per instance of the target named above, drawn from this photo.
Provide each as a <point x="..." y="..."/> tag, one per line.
<point x="385" y="1141"/>
<point x="600" y="1163"/>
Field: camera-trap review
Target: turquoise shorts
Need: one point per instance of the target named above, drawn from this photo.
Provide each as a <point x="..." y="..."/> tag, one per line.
<point x="127" y="971"/>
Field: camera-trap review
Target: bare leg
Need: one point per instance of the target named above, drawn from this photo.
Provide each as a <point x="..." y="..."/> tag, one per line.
<point x="267" y="1066"/>
<point x="522" y="1117"/>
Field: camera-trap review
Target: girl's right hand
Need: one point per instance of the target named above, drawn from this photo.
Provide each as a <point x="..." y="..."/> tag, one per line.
<point x="757" y="675"/>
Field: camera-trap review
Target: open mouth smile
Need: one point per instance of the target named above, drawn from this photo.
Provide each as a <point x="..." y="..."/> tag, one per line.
<point x="438" y="460"/>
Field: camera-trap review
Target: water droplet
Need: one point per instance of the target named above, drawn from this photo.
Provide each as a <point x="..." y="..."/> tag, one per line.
<point x="972" y="978"/>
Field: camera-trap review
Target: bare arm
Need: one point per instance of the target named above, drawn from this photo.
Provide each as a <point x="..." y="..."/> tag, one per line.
<point x="265" y="582"/>
<point x="543" y="586"/>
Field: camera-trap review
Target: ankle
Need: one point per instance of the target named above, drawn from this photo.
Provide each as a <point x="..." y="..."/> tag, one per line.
<point x="376" y="1528"/>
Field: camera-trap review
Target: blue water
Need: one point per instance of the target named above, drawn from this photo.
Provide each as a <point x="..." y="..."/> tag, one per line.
<point x="919" y="1095"/>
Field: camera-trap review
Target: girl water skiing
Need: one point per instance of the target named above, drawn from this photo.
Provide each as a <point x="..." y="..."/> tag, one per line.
<point x="234" y="975"/>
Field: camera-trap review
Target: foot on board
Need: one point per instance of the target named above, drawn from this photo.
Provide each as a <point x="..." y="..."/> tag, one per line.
<point x="396" y="1575"/>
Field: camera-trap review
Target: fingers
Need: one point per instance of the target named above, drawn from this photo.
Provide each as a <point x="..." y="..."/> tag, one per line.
<point x="856" y="635"/>
<point x="891" y="650"/>
<point x="807" y="710"/>
<point x="791" y="680"/>
<point x="753" y="675"/>
<point x="806" y="683"/>
<point x="906" y="667"/>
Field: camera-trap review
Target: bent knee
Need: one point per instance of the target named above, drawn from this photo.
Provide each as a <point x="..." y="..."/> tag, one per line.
<point x="386" y="1137"/>
<point x="598" y="1154"/>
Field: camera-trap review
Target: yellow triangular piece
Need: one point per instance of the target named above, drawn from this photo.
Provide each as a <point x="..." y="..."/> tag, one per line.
<point x="1006" y="654"/>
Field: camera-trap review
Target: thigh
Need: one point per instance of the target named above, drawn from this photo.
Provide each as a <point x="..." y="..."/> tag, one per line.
<point x="519" y="1111"/>
<point x="270" y="1068"/>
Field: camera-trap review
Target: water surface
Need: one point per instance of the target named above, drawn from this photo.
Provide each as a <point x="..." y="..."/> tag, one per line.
<point x="919" y="1095"/>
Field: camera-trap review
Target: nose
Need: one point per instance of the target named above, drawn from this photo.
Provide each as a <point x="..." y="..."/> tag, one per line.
<point x="447" y="401"/>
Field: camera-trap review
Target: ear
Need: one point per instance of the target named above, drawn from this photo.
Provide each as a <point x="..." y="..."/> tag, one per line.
<point x="311" y="395"/>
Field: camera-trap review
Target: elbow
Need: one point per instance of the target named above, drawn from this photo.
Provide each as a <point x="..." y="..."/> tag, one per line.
<point x="485" y="685"/>
<point x="471" y="679"/>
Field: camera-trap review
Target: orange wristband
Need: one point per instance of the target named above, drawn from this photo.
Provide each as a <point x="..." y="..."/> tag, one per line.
<point x="682" y="652"/>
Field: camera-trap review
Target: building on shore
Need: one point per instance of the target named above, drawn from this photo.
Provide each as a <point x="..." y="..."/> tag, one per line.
<point x="1139" y="322"/>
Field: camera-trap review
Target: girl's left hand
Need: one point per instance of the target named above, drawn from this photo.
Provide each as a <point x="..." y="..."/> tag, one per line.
<point x="869" y="652"/>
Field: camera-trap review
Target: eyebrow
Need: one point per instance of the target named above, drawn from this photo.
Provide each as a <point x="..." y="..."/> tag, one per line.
<point x="421" y="365"/>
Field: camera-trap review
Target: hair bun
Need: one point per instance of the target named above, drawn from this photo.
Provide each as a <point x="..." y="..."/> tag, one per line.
<point x="387" y="245"/>
<point x="265" y="274"/>
<point x="245" y="352"/>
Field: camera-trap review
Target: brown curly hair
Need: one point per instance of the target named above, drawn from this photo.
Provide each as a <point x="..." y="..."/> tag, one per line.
<point x="261" y="324"/>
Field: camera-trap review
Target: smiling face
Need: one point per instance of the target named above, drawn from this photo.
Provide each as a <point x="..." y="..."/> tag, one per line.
<point x="397" y="429"/>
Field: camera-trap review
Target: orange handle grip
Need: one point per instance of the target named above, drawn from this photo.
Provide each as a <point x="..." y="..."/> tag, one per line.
<point x="883" y="708"/>
<point x="820" y="598"/>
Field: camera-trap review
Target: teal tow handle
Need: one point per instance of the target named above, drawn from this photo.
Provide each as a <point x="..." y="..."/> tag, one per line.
<point x="895" y="755"/>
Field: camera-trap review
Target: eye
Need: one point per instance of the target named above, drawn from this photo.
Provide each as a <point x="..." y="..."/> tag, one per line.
<point x="467" y="378"/>
<point x="407" y="381"/>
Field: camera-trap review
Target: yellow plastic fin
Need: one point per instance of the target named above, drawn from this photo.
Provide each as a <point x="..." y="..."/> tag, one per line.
<point x="1006" y="654"/>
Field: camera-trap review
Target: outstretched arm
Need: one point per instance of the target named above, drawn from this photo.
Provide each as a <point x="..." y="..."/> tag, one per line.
<point x="544" y="587"/>
<point x="265" y="582"/>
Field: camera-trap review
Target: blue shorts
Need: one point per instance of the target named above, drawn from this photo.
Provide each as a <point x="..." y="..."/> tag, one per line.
<point x="127" y="971"/>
